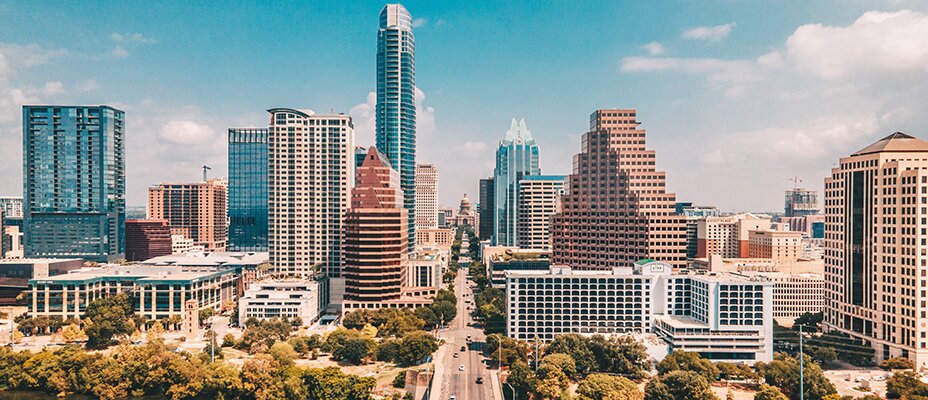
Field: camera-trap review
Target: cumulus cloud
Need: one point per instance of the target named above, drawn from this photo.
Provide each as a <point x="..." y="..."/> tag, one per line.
<point x="794" y="110"/>
<point x="131" y="37"/>
<point x="654" y="48"/>
<point x="709" y="33"/>
<point x="425" y="115"/>
<point x="88" y="85"/>
<point x="119" y="52"/>
<point x="365" y="121"/>
<point x="419" y="22"/>
<point x="184" y="131"/>
<point x="472" y="149"/>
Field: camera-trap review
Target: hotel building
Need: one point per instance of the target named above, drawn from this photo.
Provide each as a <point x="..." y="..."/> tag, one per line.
<point x="426" y="197"/>
<point x="539" y="199"/>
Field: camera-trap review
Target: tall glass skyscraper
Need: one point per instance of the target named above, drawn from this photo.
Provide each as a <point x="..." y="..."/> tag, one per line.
<point x="516" y="157"/>
<point x="396" y="101"/>
<point x="74" y="182"/>
<point x="248" y="189"/>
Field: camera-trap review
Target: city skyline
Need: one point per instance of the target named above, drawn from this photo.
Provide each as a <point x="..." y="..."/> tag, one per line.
<point x="704" y="80"/>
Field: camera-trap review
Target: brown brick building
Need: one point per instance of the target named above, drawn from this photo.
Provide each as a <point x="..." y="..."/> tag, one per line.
<point x="617" y="210"/>
<point x="147" y="238"/>
<point x="195" y="208"/>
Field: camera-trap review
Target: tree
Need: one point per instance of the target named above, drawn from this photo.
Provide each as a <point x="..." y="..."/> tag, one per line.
<point x="522" y="379"/>
<point x="513" y="350"/>
<point x="688" y="361"/>
<point x="205" y="314"/>
<point x="552" y="382"/>
<point x="369" y="331"/>
<point x="578" y="347"/>
<point x="73" y="333"/>
<point x="679" y="385"/>
<point x="156" y="332"/>
<point x="109" y="318"/>
<point x="784" y="374"/>
<point x="415" y="347"/>
<point x="283" y="353"/>
<point x="228" y="340"/>
<point x="821" y="355"/>
<point x="608" y="387"/>
<point x="350" y="345"/>
<point x="897" y="363"/>
<point x="809" y="322"/>
<point x="733" y="371"/>
<point x="563" y="362"/>
<point x="904" y="384"/>
<point x="768" y="392"/>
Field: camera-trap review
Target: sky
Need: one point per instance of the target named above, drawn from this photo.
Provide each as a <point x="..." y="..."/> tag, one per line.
<point x="737" y="97"/>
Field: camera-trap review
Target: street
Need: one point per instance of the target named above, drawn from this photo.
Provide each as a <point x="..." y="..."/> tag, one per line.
<point x="450" y="380"/>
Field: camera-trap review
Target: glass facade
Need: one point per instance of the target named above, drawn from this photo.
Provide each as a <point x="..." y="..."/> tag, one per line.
<point x="248" y="198"/>
<point x="516" y="157"/>
<point x="74" y="182"/>
<point x="396" y="101"/>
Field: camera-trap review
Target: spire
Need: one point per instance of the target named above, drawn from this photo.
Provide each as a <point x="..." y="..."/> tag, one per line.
<point x="513" y="131"/>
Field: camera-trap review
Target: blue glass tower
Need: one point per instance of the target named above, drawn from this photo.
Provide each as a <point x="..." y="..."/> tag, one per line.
<point x="396" y="101"/>
<point x="74" y="182"/>
<point x="516" y="157"/>
<point x="248" y="189"/>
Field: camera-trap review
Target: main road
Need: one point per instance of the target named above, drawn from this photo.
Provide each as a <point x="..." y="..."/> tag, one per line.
<point x="450" y="379"/>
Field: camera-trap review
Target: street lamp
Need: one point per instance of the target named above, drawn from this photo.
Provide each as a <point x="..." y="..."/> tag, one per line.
<point x="513" y="390"/>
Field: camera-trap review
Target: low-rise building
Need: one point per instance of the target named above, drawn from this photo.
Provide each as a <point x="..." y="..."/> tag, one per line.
<point x="435" y="237"/>
<point x="794" y="294"/>
<point x="16" y="273"/>
<point x="797" y="266"/>
<point x="158" y="291"/>
<point x="724" y="317"/>
<point x="423" y="273"/>
<point x="283" y="299"/>
<point x="180" y="244"/>
<point x="516" y="260"/>
<point x="147" y="238"/>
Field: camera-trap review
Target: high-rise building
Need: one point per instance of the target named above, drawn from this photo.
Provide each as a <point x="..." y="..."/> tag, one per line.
<point x="539" y="197"/>
<point x="248" y="189"/>
<point x="376" y="249"/>
<point x="693" y="215"/>
<point x="516" y="158"/>
<point x="198" y="210"/>
<point x="727" y="236"/>
<point x="426" y="196"/>
<point x="875" y="265"/>
<point x="616" y="209"/>
<point x="311" y="172"/>
<point x="12" y="207"/>
<point x="487" y="208"/>
<point x="74" y="183"/>
<point x="396" y="101"/>
<point x="147" y="238"/>
<point x="801" y="202"/>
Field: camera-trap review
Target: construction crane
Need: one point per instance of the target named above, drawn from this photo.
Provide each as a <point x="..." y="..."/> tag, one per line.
<point x="205" y="168"/>
<point x="796" y="181"/>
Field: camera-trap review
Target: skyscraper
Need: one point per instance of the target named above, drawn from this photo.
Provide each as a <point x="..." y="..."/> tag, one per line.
<point x="195" y="210"/>
<point x="426" y="196"/>
<point x="617" y="210"/>
<point x="311" y="166"/>
<point x="800" y="202"/>
<point x="539" y="196"/>
<point x="487" y="208"/>
<point x="396" y="101"/>
<point x="74" y="182"/>
<point x="248" y="189"/>
<point x="376" y="252"/>
<point x="516" y="158"/>
<point x="874" y="248"/>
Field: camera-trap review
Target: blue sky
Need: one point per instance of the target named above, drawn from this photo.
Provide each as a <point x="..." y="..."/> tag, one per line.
<point x="736" y="96"/>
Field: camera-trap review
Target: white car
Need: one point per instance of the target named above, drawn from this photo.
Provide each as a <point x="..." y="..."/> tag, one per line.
<point x="461" y="368"/>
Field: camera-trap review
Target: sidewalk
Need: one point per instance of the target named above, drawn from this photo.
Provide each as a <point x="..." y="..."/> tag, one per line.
<point x="497" y="384"/>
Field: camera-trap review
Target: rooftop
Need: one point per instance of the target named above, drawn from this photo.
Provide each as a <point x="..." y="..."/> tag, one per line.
<point x="896" y="142"/>
<point x="210" y="259"/>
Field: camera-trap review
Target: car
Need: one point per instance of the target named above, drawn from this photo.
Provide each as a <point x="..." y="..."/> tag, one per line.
<point x="456" y="355"/>
<point x="468" y="337"/>
<point x="463" y="348"/>
<point x="479" y="380"/>
<point x="452" y="398"/>
<point x="461" y="368"/>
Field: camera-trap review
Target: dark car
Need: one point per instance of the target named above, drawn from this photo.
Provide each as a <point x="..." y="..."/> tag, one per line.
<point x="463" y="348"/>
<point x="479" y="380"/>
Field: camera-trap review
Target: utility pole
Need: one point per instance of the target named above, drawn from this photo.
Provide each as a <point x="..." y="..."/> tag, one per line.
<point x="536" y="354"/>
<point x="802" y="392"/>
<point x="212" y="342"/>
<point x="513" y="390"/>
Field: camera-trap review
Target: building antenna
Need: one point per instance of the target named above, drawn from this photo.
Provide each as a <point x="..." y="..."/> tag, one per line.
<point x="205" y="168"/>
<point x="796" y="181"/>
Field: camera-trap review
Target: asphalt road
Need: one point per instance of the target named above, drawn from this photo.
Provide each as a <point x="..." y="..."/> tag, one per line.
<point x="454" y="382"/>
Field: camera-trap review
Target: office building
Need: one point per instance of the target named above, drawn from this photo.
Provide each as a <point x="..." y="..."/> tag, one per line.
<point x="693" y="215"/>
<point x="147" y="238"/>
<point x="802" y="265"/>
<point x="311" y="168"/>
<point x="426" y="196"/>
<point x="360" y="153"/>
<point x="794" y="294"/>
<point x="689" y="210"/>
<point x="514" y="259"/>
<point x="423" y="272"/>
<point x="16" y="273"/>
<point x="487" y="208"/>
<point x="616" y="209"/>
<point x="74" y="182"/>
<point x="376" y="249"/>
<point x="690" y="312"/>
<point x="777" y="245"/>
<point x="396" y="101"/>
<point x="157" y="291"/>
<point x="181" y="244"/>
<point x="516" y="158"/>
<point x="727" y="236"/>
<point x="538" y="199"/>
<point x="875" y="266"/>
<point x="198" y="210"/>
<point x="248" y="197"/>
<point x="438" y="237"/>
<point x="12" y="240"/>
<point x="11" y="207"/>
<point x="800" y="202"/>
<point x="287" y="299"/>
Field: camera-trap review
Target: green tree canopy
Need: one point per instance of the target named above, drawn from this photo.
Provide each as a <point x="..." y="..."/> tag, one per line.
<point x="688" y="361"/>
<point x="679" y="385"/>
<point x="108" y="319"/>
<point x="608" y="387"/>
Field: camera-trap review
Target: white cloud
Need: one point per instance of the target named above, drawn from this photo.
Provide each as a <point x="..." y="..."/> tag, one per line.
<point x="88" y="85"/>
<point x="419" y="22"/>
<point x="425" y="115"/>
<point x="131" y="37"/>
<point x="364" y="118"/>
<point x="709" y="33"/>
<point x="654" y="48"/>
<point x="185" y="131"/>
<point x="52" y="88"/>
<point x="471" y="149"/>
<point x="119" y="52"/>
